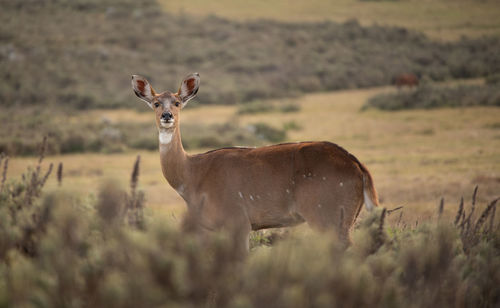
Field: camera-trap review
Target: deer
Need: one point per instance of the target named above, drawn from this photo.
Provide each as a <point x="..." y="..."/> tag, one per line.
<point x="241" y="189"/>
<point x="407" y="79"/>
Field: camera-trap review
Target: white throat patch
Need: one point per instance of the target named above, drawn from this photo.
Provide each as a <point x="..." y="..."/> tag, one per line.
<point x="165" y="137"/>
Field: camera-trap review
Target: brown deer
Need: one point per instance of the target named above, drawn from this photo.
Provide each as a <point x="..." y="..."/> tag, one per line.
<point x="243" y="189"/>
<point x="410" y="80"/>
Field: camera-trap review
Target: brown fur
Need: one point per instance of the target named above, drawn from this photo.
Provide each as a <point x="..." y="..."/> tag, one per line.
<point x="409" y="80"/>
<point x="243" y="189"/>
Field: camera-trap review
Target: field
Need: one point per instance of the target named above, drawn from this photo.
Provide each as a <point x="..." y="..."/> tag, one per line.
<point x="443" y="19"/>
<point x="240" y="61"/>
<point x="103" y="229"/>
<point x="416" y="156"/>
<point x="95" y="243"/>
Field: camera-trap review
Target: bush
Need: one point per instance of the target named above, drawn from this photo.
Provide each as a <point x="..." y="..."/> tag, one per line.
<point x="290" y="107"/>
<point x="493" y="79"/>
<point x="104" y="136"/>
<point x="255" y="107"/>
<point x="428" y="96"/>
<point x="266" y="106"/>
<point x="238" y="61"/>
<point x="291" y="125"/>
<point x="229" y="134"/>
<point x="268" y="133"/>
<point x="56" y="250"/>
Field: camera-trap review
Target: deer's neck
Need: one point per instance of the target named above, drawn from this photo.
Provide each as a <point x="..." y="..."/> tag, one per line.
<point x="173" y="158"/>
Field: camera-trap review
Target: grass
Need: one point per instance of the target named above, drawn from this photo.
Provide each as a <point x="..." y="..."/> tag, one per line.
<point x="89" y="242"/>
<point x="58" y="250"/>
<point x="106" y="131"/>
<point x="416" y="156"/>
<point x="443" y="19"/>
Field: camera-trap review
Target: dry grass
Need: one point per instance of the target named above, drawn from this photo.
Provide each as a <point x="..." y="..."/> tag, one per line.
<point x="443" y="19"/>
<point x="416" y="157"/>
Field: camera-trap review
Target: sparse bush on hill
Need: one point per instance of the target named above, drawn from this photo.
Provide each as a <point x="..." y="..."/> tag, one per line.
<point x="493" y="79"/>
<point x="255" y="107"/>
<point x="81" y="54"/>
<point x="229" y="134"/>
<point x="266" y="132"/>
<point x="264" y="107"/>
<point x="56" y="250"/>
<point x="429" y="96"/>
<point x="21" y="132"/>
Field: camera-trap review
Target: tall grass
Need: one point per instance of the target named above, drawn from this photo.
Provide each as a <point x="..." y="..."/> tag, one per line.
<point x="56" y="250"/>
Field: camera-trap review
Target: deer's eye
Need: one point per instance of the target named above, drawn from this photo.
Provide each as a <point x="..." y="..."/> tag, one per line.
<point x="177" y="104"/>
<point x="157" y="105"/>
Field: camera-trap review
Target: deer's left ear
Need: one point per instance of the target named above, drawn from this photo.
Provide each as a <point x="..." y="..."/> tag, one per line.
<point x="189" y="88"/>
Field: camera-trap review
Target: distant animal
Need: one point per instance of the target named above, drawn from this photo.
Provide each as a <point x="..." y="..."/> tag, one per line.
<point x="242" y="189"/>
<point x="410" y="80"/>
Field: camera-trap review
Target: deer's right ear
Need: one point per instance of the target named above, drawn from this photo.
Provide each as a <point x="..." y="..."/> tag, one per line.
<point x="143" y="89"/>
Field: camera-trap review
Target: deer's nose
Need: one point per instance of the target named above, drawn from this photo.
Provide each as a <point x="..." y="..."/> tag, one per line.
<point x="167" y="115"/>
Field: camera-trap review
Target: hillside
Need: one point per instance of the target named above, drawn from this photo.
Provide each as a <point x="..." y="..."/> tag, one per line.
<point x="80" y="54"/>
<point x="440" y="19"/>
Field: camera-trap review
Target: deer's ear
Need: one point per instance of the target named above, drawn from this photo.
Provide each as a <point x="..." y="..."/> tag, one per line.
<point x="143" y="89"/>
<point x="189" y="88"/>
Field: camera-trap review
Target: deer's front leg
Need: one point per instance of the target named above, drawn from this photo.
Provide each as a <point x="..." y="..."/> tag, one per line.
<point x="210" y="217"/>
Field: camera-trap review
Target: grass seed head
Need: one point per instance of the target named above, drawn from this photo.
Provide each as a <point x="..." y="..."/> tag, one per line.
<point x="60" y="173"/>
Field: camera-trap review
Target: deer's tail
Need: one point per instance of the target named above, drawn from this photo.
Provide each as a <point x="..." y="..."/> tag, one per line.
<point x="369" y="192"/>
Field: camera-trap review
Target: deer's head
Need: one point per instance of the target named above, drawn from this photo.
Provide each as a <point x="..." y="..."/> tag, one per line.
<point x="166" y="105"/>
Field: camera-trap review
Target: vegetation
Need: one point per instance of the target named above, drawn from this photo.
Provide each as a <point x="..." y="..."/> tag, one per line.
<point x="428" y="96"/>
<point x="21" y="132"/>
<point x="442" y="151"/>
<point x="493" y="79"/>
<point x="80" y="54"/>
<point x="80" y="61"/>
<point x="230" y="134"/>
<point x="108" y="252"/>
<point x="265" y="106"/>
<point x="79" y="241"/>
<point x="441" y="19"/>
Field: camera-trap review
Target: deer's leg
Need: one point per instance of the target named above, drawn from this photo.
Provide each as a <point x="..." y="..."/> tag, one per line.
<point x="218" y="216"/>
<point x="233" y="219"/>
<point x="330" y="206"/>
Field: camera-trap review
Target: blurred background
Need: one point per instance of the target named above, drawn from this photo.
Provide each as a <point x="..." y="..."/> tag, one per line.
<point x="412" y="88"/>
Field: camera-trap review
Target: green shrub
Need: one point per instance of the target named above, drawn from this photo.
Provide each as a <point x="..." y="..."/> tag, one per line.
<point x="493" y="79"/>
<point x="291" y="125"/>
<point x="265" y="106"/>
<point x="91" y="135"/>
<point x="429" y="96"/>
<point x="255" y="107"/>
<point x="145" y="143"/>
<point x="228" y="134"/>
<point x="56" y="251"/>
<point x="105" y="42"/>
<point x="290" y="107"/>
<point x="265" y="132"/>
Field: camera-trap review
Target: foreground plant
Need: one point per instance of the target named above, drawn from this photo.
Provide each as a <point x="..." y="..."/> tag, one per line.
<point x="91" y="254"/>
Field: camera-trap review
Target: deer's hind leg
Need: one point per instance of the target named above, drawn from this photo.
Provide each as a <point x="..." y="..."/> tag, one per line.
<point x="326" y="207"/>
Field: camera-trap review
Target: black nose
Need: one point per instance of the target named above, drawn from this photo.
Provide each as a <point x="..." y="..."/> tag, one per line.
<point x="167" y="115"/>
